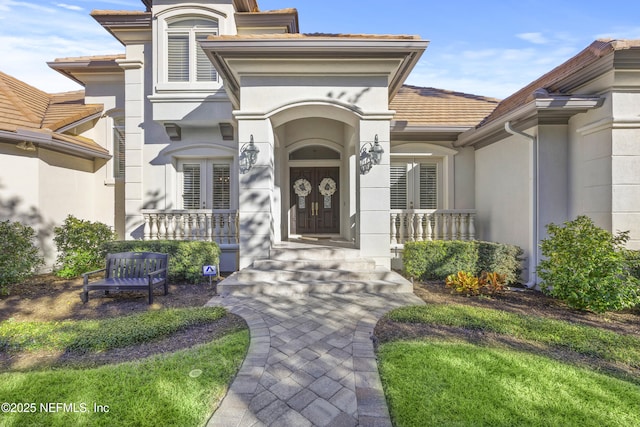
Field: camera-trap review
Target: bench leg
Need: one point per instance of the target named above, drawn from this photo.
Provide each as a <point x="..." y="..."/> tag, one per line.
<point x="166" y="288"/>
<point x="150" y="295"/>
<point x="84" y="296"/>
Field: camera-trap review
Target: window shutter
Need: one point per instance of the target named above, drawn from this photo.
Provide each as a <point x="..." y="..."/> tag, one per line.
<point x="178" y="58"/>
<point x="398" y="187"/>
<point x="221" y="189"/>
<point x="191" y="186"/>
<point x="428" y="186"/>
<point x="118" y="148"/>
<point x="205" y="70"/>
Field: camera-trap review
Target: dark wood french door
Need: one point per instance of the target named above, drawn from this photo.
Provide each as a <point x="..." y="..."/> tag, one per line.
<point x="315" y="200"/>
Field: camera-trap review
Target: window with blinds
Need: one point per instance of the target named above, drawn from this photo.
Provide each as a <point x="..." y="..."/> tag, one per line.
<point x="186" y="61"/>
<point x="221" y="187"/>
<point x="191" y="186"/>
<point x="178" y="58"/>
<point x="399" y="186"/>
<point x="414" y="185"/>
<point x="118" y="148"/>
<point x="428" y="186"/>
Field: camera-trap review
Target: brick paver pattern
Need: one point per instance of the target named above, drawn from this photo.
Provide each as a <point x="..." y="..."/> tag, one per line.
<point x="310" y="361"/>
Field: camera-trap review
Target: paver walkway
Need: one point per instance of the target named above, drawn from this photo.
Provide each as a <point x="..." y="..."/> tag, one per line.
<point x="310" y="361"/>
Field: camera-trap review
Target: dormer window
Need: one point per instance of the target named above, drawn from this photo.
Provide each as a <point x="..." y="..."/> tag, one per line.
<point x="186" y="61"/>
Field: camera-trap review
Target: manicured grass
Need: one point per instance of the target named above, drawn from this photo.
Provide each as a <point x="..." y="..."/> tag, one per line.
<point x="582" y="339"/>
<point x="104" y="334"/>
<point x="458" y="384"/>
<point x="179" y="389"/>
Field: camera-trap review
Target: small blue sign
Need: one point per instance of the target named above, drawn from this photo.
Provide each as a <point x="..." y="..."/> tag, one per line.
<point x="209" y="270"/>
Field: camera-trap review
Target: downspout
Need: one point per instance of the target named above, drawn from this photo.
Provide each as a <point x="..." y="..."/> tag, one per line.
<point x="533" y="246"/>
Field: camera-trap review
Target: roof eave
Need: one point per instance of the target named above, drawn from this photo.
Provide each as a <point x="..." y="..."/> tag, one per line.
<point x="220" y="51"/>
<point x="47" y="140"/>
<point x="121" y="26"/>
<point x="544" y="110"/>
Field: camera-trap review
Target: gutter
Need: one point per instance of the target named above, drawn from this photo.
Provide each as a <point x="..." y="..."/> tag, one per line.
<point x="534" y="194"/>
<point x="48" y="141"/>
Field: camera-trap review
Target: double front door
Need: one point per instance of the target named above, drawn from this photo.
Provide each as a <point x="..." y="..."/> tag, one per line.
<point x="315" y="200"/>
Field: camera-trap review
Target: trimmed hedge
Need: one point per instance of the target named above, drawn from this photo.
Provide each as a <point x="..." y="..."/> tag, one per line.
<point x="435" y="260"/>
<point x="186" y="258"/>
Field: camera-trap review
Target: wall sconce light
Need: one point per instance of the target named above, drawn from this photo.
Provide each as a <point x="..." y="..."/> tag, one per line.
<point x="226" y="130"/>
<point x="370" y="155"/>
<point x="248" y="156"/>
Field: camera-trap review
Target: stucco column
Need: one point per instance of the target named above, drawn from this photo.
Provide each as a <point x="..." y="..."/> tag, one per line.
<point x="373" y="195"/>
<point x="256" y="187"/>
<point x="134" y="138"/>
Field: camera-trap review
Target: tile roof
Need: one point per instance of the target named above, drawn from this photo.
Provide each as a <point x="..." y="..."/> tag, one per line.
<point x="23" y="106"/>
<point x="310" y="36"/>
<point x="425" y="106"/>
<point x="550" y="80"/>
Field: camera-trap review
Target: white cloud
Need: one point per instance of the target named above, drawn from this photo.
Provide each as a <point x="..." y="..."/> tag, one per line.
<point x="69" y="7"/>
<point x="535" y="38"/>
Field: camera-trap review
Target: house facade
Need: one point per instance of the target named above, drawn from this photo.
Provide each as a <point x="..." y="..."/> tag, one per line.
<point x="223" y="122"/>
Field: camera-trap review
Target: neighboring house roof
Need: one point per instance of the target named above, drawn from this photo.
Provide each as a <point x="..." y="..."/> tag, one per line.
<point x="426" y="106"/>
<point x="29" y="114"/>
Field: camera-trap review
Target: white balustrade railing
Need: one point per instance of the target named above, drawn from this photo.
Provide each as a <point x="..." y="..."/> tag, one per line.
<point x="220" y="225"/>
<point x="416" y="225"/>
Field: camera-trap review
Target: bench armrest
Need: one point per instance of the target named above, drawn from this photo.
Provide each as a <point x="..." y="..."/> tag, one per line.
<point x="85" y="276"/>
<point x="155" y="273"/>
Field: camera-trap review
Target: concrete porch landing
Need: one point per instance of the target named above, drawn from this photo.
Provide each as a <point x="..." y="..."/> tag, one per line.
<point x="296" y="268"/>
<point x="310" y="362"/>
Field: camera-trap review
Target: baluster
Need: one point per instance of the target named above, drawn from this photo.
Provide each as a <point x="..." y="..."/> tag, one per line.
<point x="154" y="226"/>
<point x="411" y="228"/>
<point x="464" y="233"/>
<point x="394" y="230"/>
<point x="472" y="226"/>
<point x="208" y="221"/>
<point x="445" y="227"/>
<point x="162" y="229"/>
<point x="455" y="226"/>
<point x="236" y="227"/>
<point x="187" y="226"/>
<point x="202" y="229"/>
<point x="228" y="227"/>
<point x="402" y="221"/>
<point x="436" y="226"/>
<point x="170" y="227"/>
<point x="179" y="231"/>
<point x="419" y="229"/>
<point x="147" y="226"/>
<point x="429" y="230"/>
<point x="215" y="223"/>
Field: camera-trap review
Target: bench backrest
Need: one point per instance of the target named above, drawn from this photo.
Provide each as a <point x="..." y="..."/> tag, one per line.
<point x="135" y="264"/>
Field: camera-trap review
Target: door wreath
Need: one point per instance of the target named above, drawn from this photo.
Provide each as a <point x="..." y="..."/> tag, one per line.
<point x="327" y="187"/>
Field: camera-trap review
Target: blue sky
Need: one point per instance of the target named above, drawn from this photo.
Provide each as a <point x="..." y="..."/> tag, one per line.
<point x="490" y="47"/>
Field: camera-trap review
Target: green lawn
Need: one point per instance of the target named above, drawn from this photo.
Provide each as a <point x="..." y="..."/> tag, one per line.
<point x="173" y="389"/>
<point x="178" y="389"/>
<point x="454" y="383"/>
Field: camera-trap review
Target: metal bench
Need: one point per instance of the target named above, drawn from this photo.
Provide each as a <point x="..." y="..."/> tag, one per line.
<point x="129" y="271"/>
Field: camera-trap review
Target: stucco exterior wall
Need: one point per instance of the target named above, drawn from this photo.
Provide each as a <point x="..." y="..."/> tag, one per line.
<point x="503" y="176"/>
<point x="43" y="188"/>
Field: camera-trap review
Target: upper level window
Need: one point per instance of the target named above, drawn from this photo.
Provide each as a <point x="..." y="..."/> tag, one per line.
<point x="186" y="61"/>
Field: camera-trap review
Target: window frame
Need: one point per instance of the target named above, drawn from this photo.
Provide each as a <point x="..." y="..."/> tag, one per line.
<point x="161" y="43"/>
<point x="413" y="188"/>
<point x="207" y="197"/>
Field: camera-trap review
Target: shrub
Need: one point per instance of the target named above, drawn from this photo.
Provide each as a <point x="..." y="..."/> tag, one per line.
<point x="186" y="258"/>
<point x="435" y="260"/>
<point x="469" y="284"/>
<point x="587" y="267"/>
<point x="79" y="246"/>
<point x="19" y="256"/>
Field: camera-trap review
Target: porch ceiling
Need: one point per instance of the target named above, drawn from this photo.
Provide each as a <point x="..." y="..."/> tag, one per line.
<point x="315" y="54"/>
